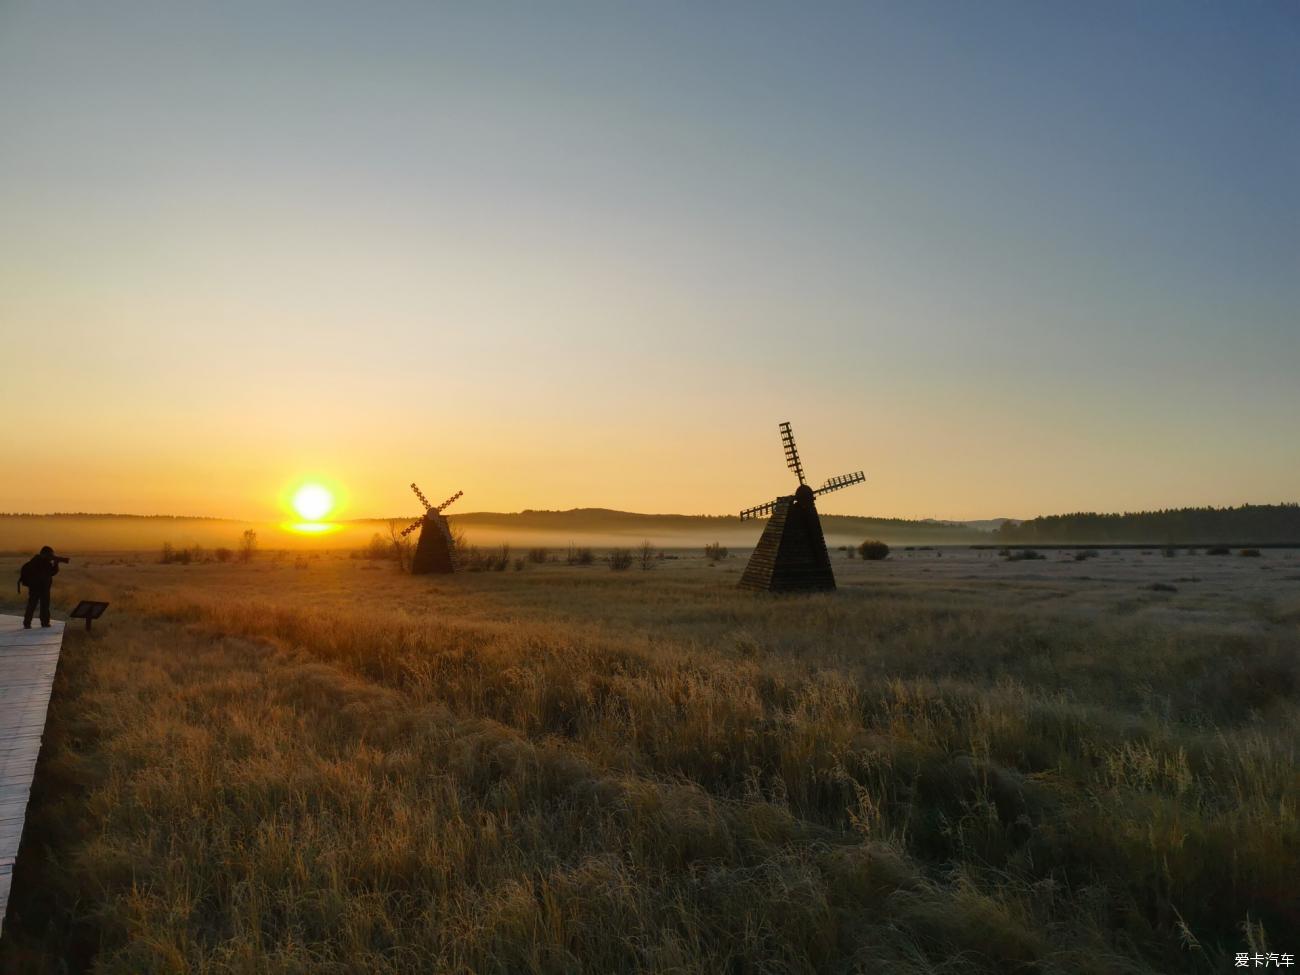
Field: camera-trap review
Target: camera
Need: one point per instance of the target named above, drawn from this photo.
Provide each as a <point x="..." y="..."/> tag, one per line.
<point x="61" y="558"/>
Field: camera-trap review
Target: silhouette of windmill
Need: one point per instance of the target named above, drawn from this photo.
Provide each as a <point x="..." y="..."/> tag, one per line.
<point x="791" y="555"/>
<point x="435" y="551"/>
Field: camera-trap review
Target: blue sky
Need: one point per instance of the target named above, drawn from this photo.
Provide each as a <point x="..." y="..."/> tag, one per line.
<point x="1011" y="258"/>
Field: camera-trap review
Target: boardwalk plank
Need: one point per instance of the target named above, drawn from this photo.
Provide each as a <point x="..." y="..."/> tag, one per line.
<point x="28" y="661"/>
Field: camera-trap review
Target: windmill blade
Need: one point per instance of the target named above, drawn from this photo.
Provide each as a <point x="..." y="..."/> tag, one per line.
<point x="841" y="481"/>
<point x="420" y="494"/>
<point x="449" y="500"/>
<point x="412" y="527"/>
<point x="759" y="510"/>
<point x="791" y="451"/>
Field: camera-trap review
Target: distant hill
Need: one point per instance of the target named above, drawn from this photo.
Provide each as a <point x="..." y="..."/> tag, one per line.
<point x="1258" y="523"/>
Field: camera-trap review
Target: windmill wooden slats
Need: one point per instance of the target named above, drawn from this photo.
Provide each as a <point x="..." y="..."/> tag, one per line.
<point x="791" y="555"/>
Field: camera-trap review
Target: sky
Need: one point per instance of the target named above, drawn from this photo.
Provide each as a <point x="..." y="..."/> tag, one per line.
<point x="1010" y="259"/>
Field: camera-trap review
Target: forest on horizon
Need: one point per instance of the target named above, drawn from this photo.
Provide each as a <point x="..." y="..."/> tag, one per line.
<point x="1257" y="523"/>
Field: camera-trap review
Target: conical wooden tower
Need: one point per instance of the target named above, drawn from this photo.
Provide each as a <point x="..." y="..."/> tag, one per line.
<point x="791" y="555"/>
<point x="435" y="552"/>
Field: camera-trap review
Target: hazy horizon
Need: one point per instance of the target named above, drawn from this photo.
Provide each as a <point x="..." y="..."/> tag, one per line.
<point x="576" y="508"/>
<point x="1009" y="260"/>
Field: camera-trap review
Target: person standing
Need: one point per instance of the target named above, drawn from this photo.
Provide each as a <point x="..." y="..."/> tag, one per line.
<point x="37" y="574"/>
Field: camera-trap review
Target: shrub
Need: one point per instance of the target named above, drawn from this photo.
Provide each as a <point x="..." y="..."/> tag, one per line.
<point x="715" y="552"/>
<point x="1217" y="550"/>
<point x="377" y="549"/>
<point x="402" y="547"/>
<point x="223" y="554"/>
<point x="1251" y="553"/>
<point x="247" y="545"/>
<point x="580" y="556"/>
<point x="170" y="555"/>
<point x="1026" y="555"/>
<point x="1087" y="553"/>
<point x="620" y="559"/>
<point x="873" y="550"/>
<point x="538" y="556"/>
<point x="646" y="556"/>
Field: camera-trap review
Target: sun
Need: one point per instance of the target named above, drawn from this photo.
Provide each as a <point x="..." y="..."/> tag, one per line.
<point x="313" y="502"/>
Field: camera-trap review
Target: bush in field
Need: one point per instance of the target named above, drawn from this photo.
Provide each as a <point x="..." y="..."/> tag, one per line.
<point x="171" y="555"/>
<point x="1250" y="553"/>
<point x="247" y="545"/>
<point x="1218" y="550"/>
<point x="1087" y="553"/>
<point x="474" y="559"/>
<point x="580" y="556"/>
<point x="873" y="551"/>
<point x="223" y="554"/>
<point x="646" y="555"/>
<point x="401" y="548"/>
<point x="539" y="556"/>
<point x="715" y="552"/>
<point x="1025" y="555"/>
<point x="376" y="550"/>
<point x="620" y="559"/>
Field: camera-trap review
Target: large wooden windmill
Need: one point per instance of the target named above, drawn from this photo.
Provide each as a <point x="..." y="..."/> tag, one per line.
<point x="435" y="551"/>
<point x="791" y="555"/>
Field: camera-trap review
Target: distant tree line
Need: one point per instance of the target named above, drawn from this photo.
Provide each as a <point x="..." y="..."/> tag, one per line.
<point x="1260" y="523"/>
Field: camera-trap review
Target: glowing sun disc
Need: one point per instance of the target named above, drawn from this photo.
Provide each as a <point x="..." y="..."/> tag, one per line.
<point x="312" y="502"/>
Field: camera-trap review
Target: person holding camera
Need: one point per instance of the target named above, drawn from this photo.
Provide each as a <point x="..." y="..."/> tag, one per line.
<point x="37" y="574"/>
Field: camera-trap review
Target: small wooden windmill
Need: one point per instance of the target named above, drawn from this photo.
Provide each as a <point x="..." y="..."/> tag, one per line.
<point x="791" y="555"/>
<point x="435" y="551"/>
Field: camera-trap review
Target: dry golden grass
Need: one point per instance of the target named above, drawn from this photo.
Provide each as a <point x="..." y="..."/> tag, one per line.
<point x="260" y="769"/>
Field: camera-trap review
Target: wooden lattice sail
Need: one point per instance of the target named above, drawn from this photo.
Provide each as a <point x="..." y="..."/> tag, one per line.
<point x="791" y="555"/>
<point x="435" y="552"/>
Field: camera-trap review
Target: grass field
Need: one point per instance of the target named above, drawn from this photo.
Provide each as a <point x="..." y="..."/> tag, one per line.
<point x="955" y="763"/>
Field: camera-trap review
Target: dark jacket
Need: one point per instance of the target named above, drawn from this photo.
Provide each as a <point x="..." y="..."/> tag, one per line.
<point x="38" y="572"/>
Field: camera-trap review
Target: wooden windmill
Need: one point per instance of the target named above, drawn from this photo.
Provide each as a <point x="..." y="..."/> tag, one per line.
<point x="435" y="551"/>
<point x="791" y="555"/>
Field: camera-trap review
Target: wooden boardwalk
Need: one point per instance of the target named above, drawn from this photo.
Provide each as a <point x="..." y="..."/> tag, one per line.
<point x="28" y="659"/>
